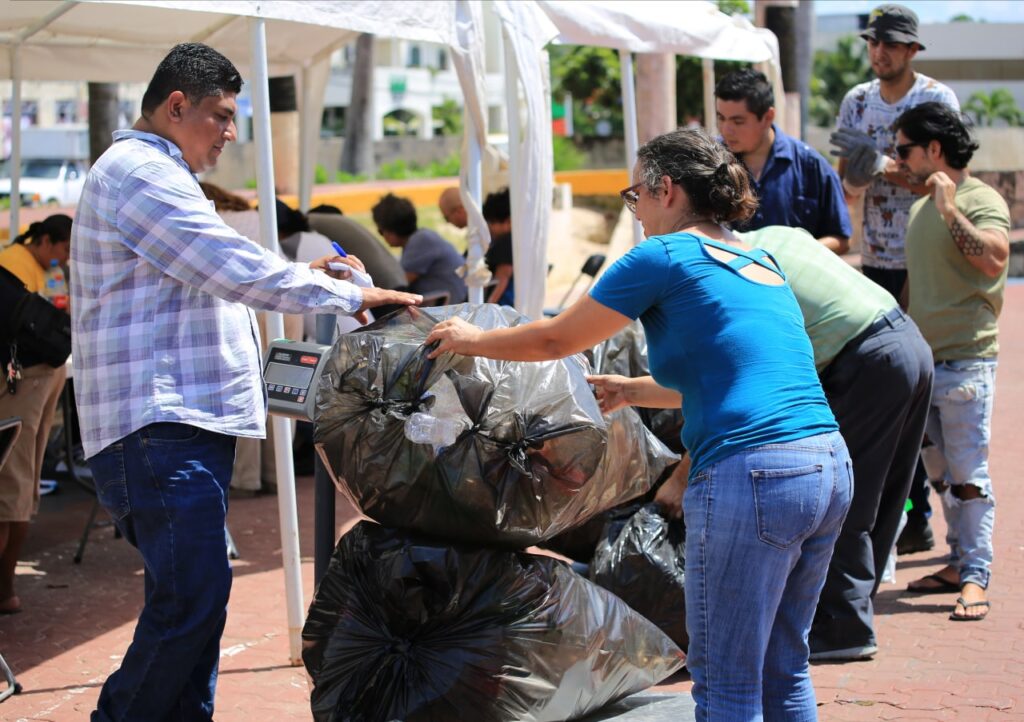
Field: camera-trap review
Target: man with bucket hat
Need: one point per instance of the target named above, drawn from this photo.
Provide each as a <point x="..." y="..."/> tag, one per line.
<point x="866" y="141"/>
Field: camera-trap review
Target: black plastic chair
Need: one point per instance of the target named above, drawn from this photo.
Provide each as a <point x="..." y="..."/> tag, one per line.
<point x="590" y="268"/>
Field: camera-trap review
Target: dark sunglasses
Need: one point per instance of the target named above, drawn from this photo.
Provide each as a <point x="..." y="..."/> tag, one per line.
<point x="903" y="151"/>
<point x="629" y="196"/>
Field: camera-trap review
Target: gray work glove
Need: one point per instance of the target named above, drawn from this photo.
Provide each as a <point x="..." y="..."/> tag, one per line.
<point x="863" y="160"/>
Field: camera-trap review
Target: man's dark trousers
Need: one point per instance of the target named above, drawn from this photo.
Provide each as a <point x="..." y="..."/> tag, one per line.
<point x="879" y="388"/>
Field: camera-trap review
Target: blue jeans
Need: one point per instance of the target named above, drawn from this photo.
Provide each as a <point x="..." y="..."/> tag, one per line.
<point x="960" y="425"/>
<point x="760" y="527"/>
<point x="165" y="486"/>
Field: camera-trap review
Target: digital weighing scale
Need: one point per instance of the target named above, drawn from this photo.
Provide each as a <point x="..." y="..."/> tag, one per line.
<point x="291" y="371"/>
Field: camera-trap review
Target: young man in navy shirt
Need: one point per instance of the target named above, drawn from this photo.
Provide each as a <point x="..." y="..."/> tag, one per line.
<point x="796" y="185"/>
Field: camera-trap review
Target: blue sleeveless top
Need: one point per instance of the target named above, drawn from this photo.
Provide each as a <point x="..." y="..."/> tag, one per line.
<point x="736" y="349"/>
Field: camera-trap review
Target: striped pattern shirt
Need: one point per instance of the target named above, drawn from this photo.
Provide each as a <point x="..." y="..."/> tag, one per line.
<point x="161" y="291"/>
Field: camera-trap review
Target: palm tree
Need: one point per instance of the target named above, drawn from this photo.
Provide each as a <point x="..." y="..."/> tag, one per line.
<point x="104" y="112"/>
<point x="987" y="108"/>
<point x="357" y="152"/>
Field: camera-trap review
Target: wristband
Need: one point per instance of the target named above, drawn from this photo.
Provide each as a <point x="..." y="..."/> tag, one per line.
<point x="852" y="190"/>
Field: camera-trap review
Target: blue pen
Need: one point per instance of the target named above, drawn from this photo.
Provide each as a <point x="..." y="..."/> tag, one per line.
<point x="339" y="249"/>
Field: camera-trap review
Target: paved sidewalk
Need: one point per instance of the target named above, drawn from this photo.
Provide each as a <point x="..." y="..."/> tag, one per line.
<point x="79" y="619"/>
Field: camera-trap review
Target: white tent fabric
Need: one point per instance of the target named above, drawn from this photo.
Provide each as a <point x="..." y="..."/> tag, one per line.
<point x="468" y="61"/>
<point x="123" y="40"/>
<point x="526" y="31"/>
<point x="642" y="26"/>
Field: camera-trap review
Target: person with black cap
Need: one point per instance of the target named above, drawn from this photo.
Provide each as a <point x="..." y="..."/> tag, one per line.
<point x="866" y="143"/>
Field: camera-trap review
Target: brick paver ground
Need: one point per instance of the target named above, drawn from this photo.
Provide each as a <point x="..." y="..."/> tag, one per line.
<point x="79" y="619"/>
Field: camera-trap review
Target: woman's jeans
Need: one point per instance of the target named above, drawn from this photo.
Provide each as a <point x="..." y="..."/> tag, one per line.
<point x="760" y="527"/>
<point x="165" y="486"/>
<point x="960" y="425"/>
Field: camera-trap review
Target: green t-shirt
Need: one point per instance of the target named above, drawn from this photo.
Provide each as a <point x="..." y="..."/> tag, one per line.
<point x="837" y="301"/>
<point x="954" y="304"/>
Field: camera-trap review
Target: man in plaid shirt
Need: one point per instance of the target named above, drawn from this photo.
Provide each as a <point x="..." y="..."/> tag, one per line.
<point x="167" y="369"/>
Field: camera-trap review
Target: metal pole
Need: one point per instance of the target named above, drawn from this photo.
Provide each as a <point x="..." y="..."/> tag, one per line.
<point x="15" y="227"/>
<point x="286" y="506"/>
<point x="474" y="177"/>
<point x="306" y="143"/>
<point x="629" y="123"/>
<point x="324" y="522"/>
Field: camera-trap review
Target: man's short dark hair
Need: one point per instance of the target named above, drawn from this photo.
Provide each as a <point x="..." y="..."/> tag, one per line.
<point x="937" y="121"/>
<point x="395" y="215"/>
<point x="196" y="70"/>
<point x="326" y="209"/>
<point x="749" y="85"/>
<point x="497" y="207"/>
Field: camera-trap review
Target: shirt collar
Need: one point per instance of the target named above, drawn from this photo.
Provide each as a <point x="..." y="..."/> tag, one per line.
<point x="782" y="147"/>
<point x="164" y="144"/>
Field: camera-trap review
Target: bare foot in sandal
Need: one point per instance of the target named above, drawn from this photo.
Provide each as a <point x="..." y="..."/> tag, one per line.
<point x="944" y="581"/>
<point x="971" y="605"/>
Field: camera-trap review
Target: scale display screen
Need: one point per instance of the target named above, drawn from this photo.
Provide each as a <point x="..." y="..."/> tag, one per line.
<point x="294" y="376"/>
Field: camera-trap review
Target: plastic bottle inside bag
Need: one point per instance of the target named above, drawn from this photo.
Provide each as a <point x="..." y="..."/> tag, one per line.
<point x="426" y="429"/>
<point x="442" y="420"/>
<point x="56" y="289"/>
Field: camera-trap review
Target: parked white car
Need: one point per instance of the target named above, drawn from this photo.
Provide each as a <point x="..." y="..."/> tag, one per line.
<point x="47" y="181"/>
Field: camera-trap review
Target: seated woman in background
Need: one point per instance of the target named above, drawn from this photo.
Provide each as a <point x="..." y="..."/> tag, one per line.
<point x="770" y="481"/>
<point x="33" y="396"/>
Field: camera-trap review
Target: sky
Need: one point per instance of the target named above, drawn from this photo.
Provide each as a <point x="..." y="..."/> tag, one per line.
<point x="933" y="11"/>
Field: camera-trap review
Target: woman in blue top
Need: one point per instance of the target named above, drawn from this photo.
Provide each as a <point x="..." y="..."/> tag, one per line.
<point x="771" y="479"/>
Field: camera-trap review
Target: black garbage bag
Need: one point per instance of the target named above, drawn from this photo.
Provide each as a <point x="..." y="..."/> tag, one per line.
<point x="512" y="453"/>
<point x="406" y="628"/>
<point x="625" y="354"/>
<point x="641" y="560"/>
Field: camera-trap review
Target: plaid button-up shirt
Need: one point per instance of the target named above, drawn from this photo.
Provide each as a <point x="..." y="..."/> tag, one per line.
<point x="161" y="290"/>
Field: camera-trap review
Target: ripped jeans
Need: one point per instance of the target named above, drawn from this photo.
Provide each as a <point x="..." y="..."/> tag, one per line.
<point x="960" y="424"/>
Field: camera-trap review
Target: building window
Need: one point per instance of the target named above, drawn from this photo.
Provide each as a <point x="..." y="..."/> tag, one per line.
<point x="66" y="111"/>
<point x="415" y="59"/>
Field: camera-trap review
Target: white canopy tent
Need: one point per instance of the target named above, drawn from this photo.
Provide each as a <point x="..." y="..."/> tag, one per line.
<point x="644" y="26"/>
<point x="124" y="40"/>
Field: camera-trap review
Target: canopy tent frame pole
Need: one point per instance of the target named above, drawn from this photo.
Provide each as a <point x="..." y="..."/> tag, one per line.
<point x="630" y="125"/>
<point x="474" y="178"/>
<point x="286" y="505"/>
<point x="15" y="207"/>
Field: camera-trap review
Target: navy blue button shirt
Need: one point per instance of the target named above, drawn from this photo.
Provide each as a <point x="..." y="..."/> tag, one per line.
<point x="798" y="188"/>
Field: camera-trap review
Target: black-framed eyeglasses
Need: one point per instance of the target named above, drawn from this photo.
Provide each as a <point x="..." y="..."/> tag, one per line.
<point x="903" y="151"/>
<point x="629" y="196"/>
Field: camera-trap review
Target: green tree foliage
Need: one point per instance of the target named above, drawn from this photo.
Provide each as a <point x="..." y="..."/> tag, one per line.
<point x="834" y="74"/>
<point x="593" y="77"/>
<point x="566" y="155"/>
<point x="987" y="108"/>
<point x="447" y="118"/>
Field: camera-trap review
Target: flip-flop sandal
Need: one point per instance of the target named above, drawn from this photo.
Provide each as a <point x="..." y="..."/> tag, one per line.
<point x="970" y="605"/>
<point x="942" y="586"/>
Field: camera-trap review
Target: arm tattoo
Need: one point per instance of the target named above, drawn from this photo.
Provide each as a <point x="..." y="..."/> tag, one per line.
<point x="967" y="238"/>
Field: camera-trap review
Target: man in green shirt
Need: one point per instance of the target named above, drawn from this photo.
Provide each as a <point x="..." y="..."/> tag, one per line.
<point x="876" y="371"/>
<point x="957" y="249"/>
